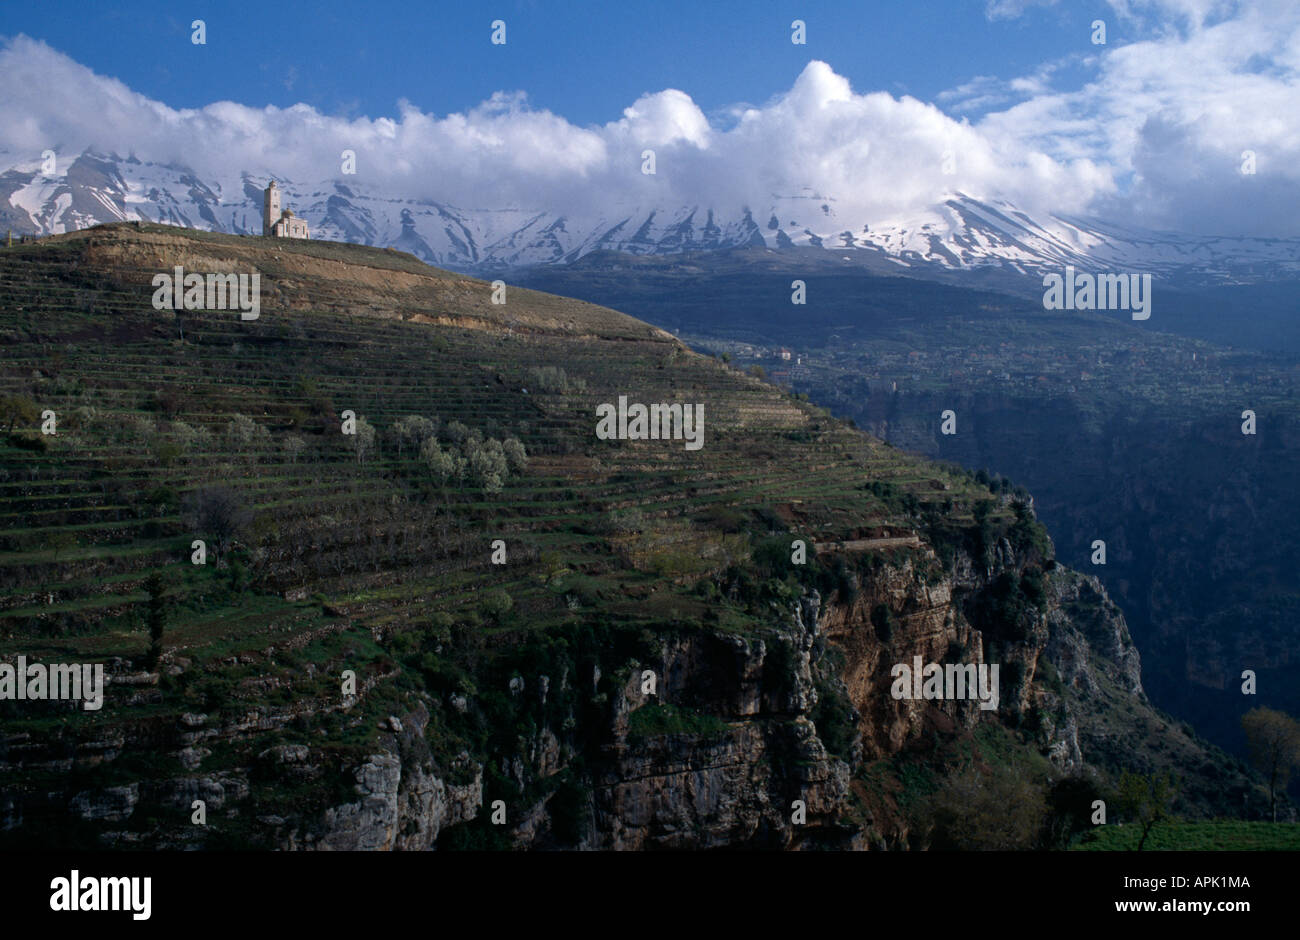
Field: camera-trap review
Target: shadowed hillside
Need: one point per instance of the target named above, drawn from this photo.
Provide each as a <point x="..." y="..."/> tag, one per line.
<point x="616" y="640"/>
<point x="1129" y="432"/>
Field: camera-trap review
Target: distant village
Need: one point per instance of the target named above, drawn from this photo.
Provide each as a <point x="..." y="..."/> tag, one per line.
<point x="856" y="367"/>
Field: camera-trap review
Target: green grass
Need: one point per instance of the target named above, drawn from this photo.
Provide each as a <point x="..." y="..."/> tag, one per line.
<point x="656" y="720"/>
<point x="1179" y="836"/>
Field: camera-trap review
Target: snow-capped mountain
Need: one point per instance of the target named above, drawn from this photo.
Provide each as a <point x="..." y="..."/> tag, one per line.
<point x="957" y="234"/>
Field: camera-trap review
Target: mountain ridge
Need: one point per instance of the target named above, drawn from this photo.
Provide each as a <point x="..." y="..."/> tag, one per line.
<point x="957" y="235"/>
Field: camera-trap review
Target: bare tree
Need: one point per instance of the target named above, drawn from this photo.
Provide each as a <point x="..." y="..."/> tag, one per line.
<point x="217" y="513"/>
<point x="1273" y="738"/>
<point x="293" y="447"/>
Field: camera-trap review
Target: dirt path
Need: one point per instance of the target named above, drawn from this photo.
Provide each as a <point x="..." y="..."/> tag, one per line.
<point x="857" y="545"/>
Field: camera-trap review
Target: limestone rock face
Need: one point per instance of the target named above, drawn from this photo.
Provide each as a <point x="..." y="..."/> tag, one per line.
<point x="371" y="822"/>
<point x="770" y="729"/>
<point x="216" y="791"/>
<point x="1088" y="631"/>
<point x="760" y="775"/>
<point x="401" y="802"/>
<point x="111" y="804"/>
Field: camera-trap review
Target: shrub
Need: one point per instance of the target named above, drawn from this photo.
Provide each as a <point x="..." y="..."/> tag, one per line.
<point x="497" y="604"/>
<point x="554" y="379"/>
<point x="660" y="718"/>
<point x="996" y="809"/>
<point x="28" y="442"/>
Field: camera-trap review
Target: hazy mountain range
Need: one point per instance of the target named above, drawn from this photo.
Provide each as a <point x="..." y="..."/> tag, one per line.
<point x="958" y="234"/>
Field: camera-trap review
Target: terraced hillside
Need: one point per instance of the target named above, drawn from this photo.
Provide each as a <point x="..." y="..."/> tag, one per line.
<point x="474" y="623"/>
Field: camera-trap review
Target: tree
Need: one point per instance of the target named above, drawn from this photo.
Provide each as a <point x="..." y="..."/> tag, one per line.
<point x="15" y="409"/>
<point x="413" y="430"/>
<point x="1070" y="810"/>
<point x="137" y="428"/>
<point x="241" y="433"/>
<point x="155" y="617"/>
<point x="363" y="441"/>
<point x="516" y="455"/>
<point x="1147" y="798"/>
<point x="996" y="809"/>
<point x="456" y="432"/>
<point x="486" y="463"/>
<point x="60" y="542"/>
<point x="166" y="453"/>
<point x="1273" y="739"/>
<point x="446" y="467"/>
<point x="217" y="513"/>
<point x="497" y="604"/>
<point x="293" y="447"/>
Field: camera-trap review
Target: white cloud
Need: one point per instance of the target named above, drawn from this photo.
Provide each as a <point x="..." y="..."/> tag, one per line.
<point x="1171" y="114"/>
<point x="1175" y="112"/>
<point x="1010" y="9"/>
<point x="664" y="118"/>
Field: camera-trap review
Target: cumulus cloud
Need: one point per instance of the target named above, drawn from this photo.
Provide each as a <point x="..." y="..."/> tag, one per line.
<point x="1153" y="137"/>
<point x="1171" y="117"/>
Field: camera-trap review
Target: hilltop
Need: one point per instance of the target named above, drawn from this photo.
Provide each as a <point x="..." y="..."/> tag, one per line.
<point x="329" y="277"/>
<point x="617" y="640"/>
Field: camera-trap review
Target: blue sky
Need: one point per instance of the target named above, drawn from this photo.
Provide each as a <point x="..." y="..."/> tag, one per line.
<point x="585" y="60"/>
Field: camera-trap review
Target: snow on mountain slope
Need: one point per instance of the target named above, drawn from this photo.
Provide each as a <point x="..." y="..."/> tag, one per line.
<point x="957" y="234"/>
